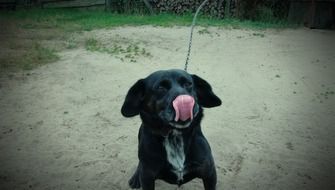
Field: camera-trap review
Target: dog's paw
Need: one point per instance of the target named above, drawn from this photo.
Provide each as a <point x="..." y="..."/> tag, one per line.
<point x="134" y="182"/>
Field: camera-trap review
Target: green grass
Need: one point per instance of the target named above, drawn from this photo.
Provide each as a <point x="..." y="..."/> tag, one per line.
<point x="204" y="31"/>
<point x="32" y="57"/>
<point x="127" y="51"/>
<point x="34" y="27"/>
<point x="259" y="34"/>
<point x="88" y="20"/>
<point x="92" y="44"/>
<point x="38" y="56"/>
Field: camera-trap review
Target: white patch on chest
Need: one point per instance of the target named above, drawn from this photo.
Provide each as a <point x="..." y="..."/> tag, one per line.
<point x="174" y="147"/>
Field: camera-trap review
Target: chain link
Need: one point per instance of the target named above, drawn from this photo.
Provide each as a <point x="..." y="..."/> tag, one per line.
<point x="191" y="35"/>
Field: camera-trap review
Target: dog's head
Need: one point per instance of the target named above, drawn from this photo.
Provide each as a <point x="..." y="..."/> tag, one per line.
<point x="171" y="98"/>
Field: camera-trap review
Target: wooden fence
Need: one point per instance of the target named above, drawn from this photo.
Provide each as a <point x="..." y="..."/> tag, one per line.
<point x="71" y="3"/>
<point x="313" y="13"/>
<point x="105" y="4"/>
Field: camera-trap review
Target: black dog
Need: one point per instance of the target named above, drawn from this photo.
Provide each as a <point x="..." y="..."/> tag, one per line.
<point x="171" y="144"/>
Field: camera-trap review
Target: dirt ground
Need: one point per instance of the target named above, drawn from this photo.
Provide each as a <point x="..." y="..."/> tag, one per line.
<point x="61" y="126"/>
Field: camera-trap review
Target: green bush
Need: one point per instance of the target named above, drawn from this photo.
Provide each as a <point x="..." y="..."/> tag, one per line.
<point x="261" y="10"/>
<point x="264" y="14"/>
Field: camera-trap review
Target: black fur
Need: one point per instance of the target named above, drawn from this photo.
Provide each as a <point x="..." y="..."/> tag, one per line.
<point x="152" y="98"/>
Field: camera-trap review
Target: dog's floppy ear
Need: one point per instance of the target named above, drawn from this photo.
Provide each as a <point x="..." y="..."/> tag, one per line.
<point x="206" y="96"/>
<point x="132" y="103"/>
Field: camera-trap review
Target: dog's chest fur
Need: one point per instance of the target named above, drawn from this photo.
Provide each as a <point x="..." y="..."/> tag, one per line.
<point x="174" y="147"/>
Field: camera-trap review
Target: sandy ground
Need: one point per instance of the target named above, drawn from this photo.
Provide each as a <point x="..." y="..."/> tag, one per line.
<point x="61" y="126"/>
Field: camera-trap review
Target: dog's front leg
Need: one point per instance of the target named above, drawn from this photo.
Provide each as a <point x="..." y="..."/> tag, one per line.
<point x="210" y="181"/>
<point x="142" y="178"/>
<point x="147" y="181"/>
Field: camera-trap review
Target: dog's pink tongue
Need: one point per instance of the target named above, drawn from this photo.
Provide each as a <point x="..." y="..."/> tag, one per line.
<point x="183" y="106"/>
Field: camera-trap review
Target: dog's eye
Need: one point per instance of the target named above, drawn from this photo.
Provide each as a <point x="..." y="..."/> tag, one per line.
<point x="164" y="85"/>
<point x="187" y="84"/>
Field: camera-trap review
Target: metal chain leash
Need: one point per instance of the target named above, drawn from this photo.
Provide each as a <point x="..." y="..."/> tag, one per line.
<point x="191" y="35"/>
